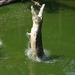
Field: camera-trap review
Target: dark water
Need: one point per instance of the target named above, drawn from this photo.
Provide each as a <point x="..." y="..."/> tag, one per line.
<point x="58" y="40"/>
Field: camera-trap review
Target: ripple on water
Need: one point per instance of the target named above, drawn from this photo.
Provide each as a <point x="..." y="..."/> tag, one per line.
<point x="70" y="73"/>
<point x="47" y="59"/>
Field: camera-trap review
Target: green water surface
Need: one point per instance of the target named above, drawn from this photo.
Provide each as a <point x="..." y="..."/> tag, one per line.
<point x="58" y="35"/>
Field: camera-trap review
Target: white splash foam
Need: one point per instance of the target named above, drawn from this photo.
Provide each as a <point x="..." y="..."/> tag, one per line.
<point x="1" y="42"/>
<point x="30" y="55"/>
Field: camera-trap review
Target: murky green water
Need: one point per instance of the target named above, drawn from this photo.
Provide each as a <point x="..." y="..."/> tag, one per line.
<point x="58" y="39"/>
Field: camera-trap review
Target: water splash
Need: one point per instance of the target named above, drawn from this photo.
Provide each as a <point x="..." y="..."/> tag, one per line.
<point x="47" y="59"/>
<point x="30" y="55"/>
<point x="1" y="42"/>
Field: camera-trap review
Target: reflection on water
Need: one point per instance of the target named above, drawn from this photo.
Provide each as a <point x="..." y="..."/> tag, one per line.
<point x="60" y="23"/>
<point x="31" y="68"/>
